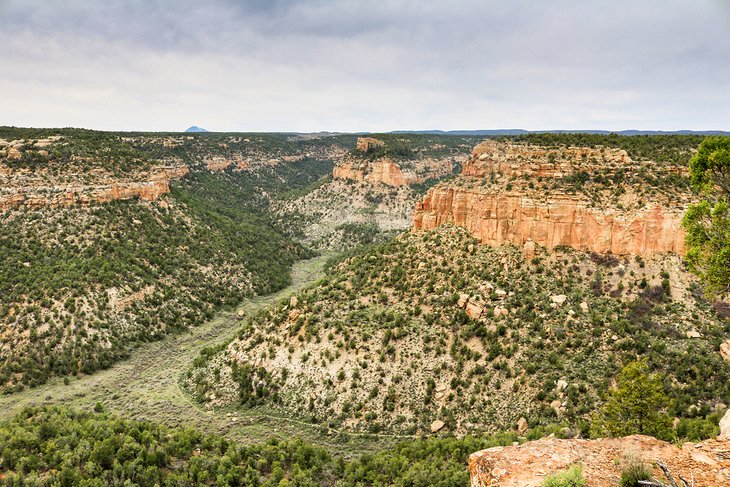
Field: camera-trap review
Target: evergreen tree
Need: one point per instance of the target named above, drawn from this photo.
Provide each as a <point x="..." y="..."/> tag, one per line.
<point x="635" y="405"/>
<point x="708" y="223"/>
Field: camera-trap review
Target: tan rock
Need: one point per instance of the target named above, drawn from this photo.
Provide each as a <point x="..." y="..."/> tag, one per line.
<point x="725" y="350"/>
<point x="526" y="465"/>
<point x="365" y="144"/>
<point x="14" y="153"/>
<point x="529" y="249"/>
<point x="693" y="334"/>
<point x="548" y="219"/>
<point x="293" y="301"/>
<point x="522" y="426"/>
<point x="437" y="426"/>
<point x="725" y="427"/>
<point x="474" y="311"/>
<point x="463" y="299"/>
<point x="559" y="299"/>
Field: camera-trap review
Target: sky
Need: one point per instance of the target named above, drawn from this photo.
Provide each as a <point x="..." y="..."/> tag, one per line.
<point x="379" y="65"/>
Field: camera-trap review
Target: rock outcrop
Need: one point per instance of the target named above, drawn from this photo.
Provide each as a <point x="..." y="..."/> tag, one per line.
<point x="366" y="144"/>
<point x="508" y="193"/>
<point x="551" y="221"/>
<point x="513" y="159"/>
<point x="603" y="460"/>
<point x="32" y="192"/>
<point x="388" y="172"/>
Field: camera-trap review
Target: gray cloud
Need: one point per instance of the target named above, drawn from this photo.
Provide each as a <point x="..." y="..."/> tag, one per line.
<point x="356" y="65"/>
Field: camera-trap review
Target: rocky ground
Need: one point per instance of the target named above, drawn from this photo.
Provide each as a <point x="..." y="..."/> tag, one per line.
<point x="527" y="465"/>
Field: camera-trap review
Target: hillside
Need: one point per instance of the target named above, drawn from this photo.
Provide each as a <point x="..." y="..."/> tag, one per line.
<point x="108" y="240"/>
<point x="433" y="327"/>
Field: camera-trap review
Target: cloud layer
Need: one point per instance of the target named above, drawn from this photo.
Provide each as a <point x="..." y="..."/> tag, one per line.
<point x="284" y="65"/>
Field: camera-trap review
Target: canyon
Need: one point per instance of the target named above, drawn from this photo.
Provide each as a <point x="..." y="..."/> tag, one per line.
<point x="520" y="208"/>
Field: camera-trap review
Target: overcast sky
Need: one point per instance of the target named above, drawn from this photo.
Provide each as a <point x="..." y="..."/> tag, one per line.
<point x="280" y="65"/>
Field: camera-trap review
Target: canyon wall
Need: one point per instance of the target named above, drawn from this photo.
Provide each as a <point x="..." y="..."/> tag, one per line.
<point x="523" y="205"/>
<point x="31" y="192"/>
<point x="559" y="219"/>
<point x="513" y="159"/>
<point x="386" y="171"/>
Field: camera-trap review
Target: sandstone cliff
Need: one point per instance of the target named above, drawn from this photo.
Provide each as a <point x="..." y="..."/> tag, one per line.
<point x="590" y="199"/>
<point x="557" y="219"/>
<point x="20" y="189"/>
<point x="528" y="464"/>
<point x="388" y="170"/>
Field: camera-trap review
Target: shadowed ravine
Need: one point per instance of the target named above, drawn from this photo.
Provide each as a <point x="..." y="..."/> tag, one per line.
<point x="146" y="386"/>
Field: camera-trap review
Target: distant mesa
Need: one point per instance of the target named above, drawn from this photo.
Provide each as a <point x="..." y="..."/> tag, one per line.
<point x="195" y="128"/>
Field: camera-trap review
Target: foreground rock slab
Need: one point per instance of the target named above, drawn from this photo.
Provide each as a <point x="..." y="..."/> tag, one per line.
<point x="528" y="464"/>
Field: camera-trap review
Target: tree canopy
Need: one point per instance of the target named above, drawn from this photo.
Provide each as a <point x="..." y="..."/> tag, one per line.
<point x="635" y="405"/>
<point x="707" y="223"/>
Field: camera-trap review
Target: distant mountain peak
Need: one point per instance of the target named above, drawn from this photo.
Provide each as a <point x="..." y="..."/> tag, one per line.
<point x="195" y="128"/>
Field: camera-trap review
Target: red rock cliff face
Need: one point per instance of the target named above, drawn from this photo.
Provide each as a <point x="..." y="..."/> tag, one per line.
<point x="385" y="171"/>
<point x="548" y="217"/>
<point x="560" y="219"/>
<point x="35" y="195"/>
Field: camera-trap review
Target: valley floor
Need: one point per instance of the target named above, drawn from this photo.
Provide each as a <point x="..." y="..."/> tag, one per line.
<point x="146" y="386"/>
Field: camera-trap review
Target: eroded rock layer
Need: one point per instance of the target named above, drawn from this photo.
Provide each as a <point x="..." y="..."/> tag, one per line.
<point x="590" y="199"/>
<point x="558" y="219"/>
<point x="32" y="192"/>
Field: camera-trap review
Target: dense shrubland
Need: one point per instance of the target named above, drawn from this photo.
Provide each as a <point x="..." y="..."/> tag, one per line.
<point x="56" y="446"/>
<point x="385" y="341"/>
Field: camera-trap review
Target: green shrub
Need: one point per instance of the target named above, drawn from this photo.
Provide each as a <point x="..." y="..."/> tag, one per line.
<point x="633" y="471"/>
<point x="573" y="477"/>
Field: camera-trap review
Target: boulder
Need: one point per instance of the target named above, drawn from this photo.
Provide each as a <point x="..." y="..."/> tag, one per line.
<point x="558" y="299"/>
<point x="725" y="350"/>
<point x="14" y="153"/>
<point x="293" y="302"/>
<point x="463" y="299"/>
<point x="522" y="426"/>
<point x="725" y="427"/>
<point x="437" y="426"/>
<point x="584" y="307"/>
<point x="474" y="311"/>
<point x="694" y="334"/>
<point x="529" y="249"/>
<point x="561" y="385"/>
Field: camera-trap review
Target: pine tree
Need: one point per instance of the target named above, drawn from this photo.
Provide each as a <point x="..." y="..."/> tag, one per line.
<point x="635" y="405"/>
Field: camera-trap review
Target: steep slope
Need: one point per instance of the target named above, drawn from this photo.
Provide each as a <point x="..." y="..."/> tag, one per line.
<point x="434" y="331"/>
